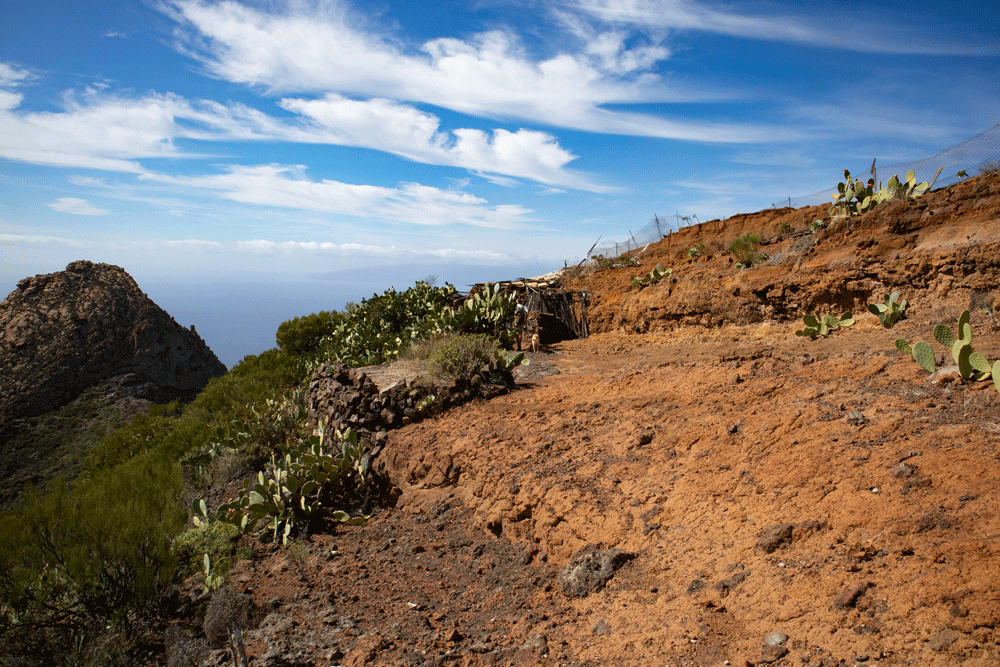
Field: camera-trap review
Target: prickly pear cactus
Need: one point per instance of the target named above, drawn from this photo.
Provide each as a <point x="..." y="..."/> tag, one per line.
<point x="853" y="197"/>
<point x="923" y="354"/>
<point x="996" y="374"/>
<point x="943" y="335"/>
<point x="816" y="326"/>
<point x="903" y="346"/>
<point x="890" y="312"/>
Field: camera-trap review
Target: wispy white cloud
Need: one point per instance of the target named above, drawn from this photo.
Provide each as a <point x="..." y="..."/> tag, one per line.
<point x="40" y="239"/>
<point x="99" y="130"/>
<point x="488" y="75"/>
<point x="406" y="131"/>
<point x="11" y="76"/>
<point x="720" y="187"/>
<point x="9" y="100"/>
<point x="266" y="247"/>
<point x="819" y="29"/>
<point x="287" y="187"/>
<point x="774" y="157"/>
<point x="116" y="34"/>
<point x="76" y="206"/>
<point x="287" y="249"/>
<point x="197" y="245"/>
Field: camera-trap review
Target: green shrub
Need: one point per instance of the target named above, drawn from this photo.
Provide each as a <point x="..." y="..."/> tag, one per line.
<point x="302" y="335"/>
<point x="255" y="378"/>
<point x="462" y="356"/>
<point x="80" y="561"/>
<point x="375" y="330"/>
<point x="744" y="249"/>
<point x="214" y="539"/>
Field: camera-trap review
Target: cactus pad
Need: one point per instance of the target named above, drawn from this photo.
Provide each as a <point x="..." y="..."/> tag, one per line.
<point x="943" y="335"/>
<point x="923" y="354"/>
<point x="964" y="327"/>
<point x="979" y="362"/>
<point x="996" y="374"/>
<point x="964" y="351"/>
<point x="903" y="346"/>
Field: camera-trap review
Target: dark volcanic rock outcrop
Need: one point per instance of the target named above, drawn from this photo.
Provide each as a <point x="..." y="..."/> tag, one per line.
<point x="64" y="332"/>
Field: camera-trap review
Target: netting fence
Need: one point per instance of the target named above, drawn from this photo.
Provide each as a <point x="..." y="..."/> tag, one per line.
<point x="979" y="154"/>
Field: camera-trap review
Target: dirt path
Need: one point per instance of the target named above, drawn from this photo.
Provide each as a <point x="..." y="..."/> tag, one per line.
<point x="767" y="483"/>
<point x="823" y="495"/>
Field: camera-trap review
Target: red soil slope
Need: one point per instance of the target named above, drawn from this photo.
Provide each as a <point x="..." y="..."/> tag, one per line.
<point x="825" y="490"/>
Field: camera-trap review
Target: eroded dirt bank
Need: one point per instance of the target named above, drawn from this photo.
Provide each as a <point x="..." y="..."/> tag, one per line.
<point x="767" y="483"/>
<point x="824" y="490"/>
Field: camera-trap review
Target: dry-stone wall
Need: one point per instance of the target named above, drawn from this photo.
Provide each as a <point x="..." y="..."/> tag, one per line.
<point x="345" y="397"/>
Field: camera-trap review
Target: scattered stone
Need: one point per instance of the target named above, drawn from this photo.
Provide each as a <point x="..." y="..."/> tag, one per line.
<point x="774" y="536"/>
<point x="856" y="419"/>
<point x="695" y="586"/>
<point x="538" y="644"/>
<point x="776" y="638"/>
<point x="769" y="654"/>
<point x="601" y="628"/>
<point x="590" y="569"/>
<point x="645" y="437"/>
<point x="945" y="376"/>
<point x="726" y="585"/>
<point x="902" y="471"/>
<point x="365" y="652"/>
<point x="942" y="640"/>
<point x="849" y="597"/>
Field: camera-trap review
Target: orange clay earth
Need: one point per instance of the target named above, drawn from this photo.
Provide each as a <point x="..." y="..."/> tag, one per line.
<point x="775" y="499"/>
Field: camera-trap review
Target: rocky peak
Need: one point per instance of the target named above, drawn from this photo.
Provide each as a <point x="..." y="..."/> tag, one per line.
<point x="64" y="332"/>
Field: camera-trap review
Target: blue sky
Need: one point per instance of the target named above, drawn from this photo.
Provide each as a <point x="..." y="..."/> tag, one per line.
<point x="212" y="142"/>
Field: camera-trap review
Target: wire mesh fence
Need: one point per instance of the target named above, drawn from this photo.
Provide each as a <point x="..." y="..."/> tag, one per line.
<point x="979" y="154"/>
<point x="655" y="230"/>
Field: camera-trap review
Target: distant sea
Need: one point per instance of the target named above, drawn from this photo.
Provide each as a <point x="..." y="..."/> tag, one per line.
<point x="238" y="316"/>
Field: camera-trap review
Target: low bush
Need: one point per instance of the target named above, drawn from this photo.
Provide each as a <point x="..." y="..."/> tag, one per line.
<point x="462" y="356"/>
<point x="302" y="335"/>
<point x="745" y="250"/>
<point x="212" y="539"/>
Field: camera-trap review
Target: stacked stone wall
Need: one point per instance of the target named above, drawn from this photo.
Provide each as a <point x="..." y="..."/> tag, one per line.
<point x="344" y="397"/>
